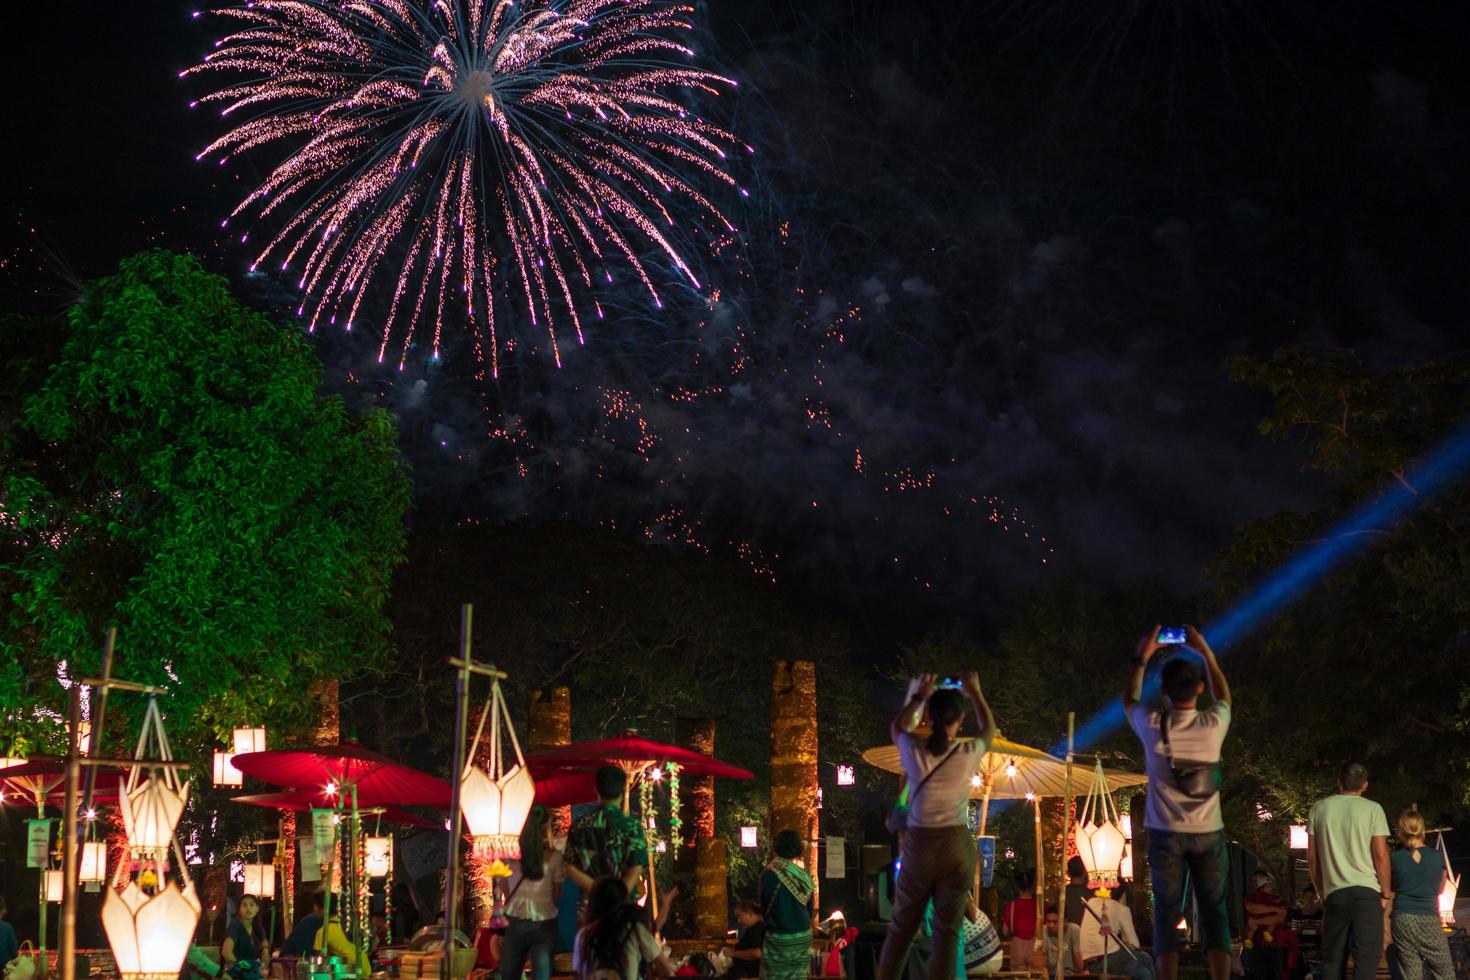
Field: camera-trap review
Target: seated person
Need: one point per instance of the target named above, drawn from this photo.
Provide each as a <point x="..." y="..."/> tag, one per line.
<point x="1107" y="941"/>
<point x="980" y="947"/>
<point x="745" y="958"/>
<point x="299" y="942"/>
<point x="1270" y="947"/>
<point x="332" y="940"/>
<point x="1050" y="937"/>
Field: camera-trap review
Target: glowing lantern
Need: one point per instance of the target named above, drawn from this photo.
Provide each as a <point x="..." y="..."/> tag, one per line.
<point x="1011" y="769"/>
<point x="1449" y="891"/>
<point x="1125" y="870"/>
<point x="846" y="776"/>
<point x="497" y="799"/>
<point x="94" y="862"/>
<point x="1100" y="840"/>
<point x="150" y="811"/>
<point x="1297" y="837"/>
<point x="53" y="886"/>
<point x="260" y="880"/>
<point x="225" y="773"/>
<point x="377" y="856"/>
<point x="748" y="837"/>
<point x="1125" y="824"/>
<point x="249" y="740"/>
<point x="6" y="761"/>
<point x="150" y="934"/>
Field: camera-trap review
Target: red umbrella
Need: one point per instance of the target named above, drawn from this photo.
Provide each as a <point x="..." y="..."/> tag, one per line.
<point x="41" y="777"/>
<point x="301" y="800"/>
<point x="379" y="780"/>
<point x="632" y="751"/>
<point x="555" y="789"/>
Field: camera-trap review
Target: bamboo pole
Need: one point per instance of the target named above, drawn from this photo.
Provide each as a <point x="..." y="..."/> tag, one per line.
<point x="1066" y="848"/>
<point x="1040" y="875"/>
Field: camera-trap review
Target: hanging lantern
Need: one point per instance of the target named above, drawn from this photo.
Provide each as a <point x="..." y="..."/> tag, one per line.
<point x="1297" y="837"/>
<point x="1125" y="870"/>
<point x="94" y="861"/>
<point x="249" y="740"/>
<point x="748" y="837"/>
<point x="1100" y="840"/>
<point x="496" y="800"/>
<point x="6" y="761"/>
<point x="150" y="935"/>
<point x="1125" y="824"/>
<point x="260" y="880"/>
<point x="150" y="812"/>
<point x="846" y="776"/>
<point x="225" y="773"/>
<point x="1449" y="891"/>
<point x="377" y="856"/>
<point x="53" y="886"/>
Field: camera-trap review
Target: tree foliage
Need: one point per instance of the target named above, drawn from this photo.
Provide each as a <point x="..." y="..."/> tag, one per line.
<point x="176" y="472"/>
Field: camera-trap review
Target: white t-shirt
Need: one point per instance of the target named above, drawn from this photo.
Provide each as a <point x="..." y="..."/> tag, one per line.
<point x="1194" y="737"/>
<point x="1118" y="919"/>
<point x="944" y="800"/>
<point x="640" y="948"/>
<point x="1343" y="827"/>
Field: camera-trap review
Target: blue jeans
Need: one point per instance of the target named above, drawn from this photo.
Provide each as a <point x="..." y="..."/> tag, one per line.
<point x="528" y="942"/>
<point x="1175" y="861"/>
<point x="1118" y="962"/>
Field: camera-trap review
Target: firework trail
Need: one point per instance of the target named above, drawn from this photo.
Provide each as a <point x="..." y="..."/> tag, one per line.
<point x="483" y="157"/>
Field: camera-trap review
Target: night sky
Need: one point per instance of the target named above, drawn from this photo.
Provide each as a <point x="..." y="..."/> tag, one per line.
<point x="996" y="256"/>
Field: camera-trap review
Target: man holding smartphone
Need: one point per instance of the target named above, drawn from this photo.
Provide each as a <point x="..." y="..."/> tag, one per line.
<point x="1186" y="832"/>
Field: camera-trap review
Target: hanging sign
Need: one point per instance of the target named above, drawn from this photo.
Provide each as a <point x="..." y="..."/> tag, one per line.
<point x="324" y="832"/>
<point x="310" y="868"/>
<point x="836" y="857"/>
<point x="986" y="846"/>
<point x="38" y="843"/>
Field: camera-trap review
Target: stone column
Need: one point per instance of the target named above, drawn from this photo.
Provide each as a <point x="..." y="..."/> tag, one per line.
<point x="794" y="755"/>
<point x="551" y="726"/>
<point x="1143" y="892"/>
<point x="702" y="909"/>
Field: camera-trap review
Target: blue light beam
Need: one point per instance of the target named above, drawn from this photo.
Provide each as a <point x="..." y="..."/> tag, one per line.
<point x="1439" y="471"/>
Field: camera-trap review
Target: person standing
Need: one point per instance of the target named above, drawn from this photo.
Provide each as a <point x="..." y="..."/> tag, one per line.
<point x="1186" y="831"/>
<point x="607" y="843"/>
<point x="786" y="892"/>
<point x="1417" y="877"/>
<point x="745" y="959"/>
<point x="1347" y="858"/>
<point x="532" y="893"/>
<point x="937" y="850"/>
<point x="1107" y="941"/>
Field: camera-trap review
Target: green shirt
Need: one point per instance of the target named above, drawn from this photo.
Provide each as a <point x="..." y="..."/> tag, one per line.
<point x="1342" y="828"/>
<point x="606" y="842"/>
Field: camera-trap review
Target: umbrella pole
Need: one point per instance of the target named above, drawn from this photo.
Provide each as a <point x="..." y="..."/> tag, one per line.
<point x="1066" y="847"/>
<point x="1040" y="872"/>
<point x="359" y="934"/>
<point x="456" y="773"/>
<point x="984" y="816"/>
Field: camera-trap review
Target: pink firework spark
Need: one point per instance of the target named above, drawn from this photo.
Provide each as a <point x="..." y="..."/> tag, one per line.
<point x="474" y="154"/>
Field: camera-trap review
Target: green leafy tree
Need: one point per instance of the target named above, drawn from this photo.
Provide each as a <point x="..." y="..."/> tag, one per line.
<point x="176" y="472"/>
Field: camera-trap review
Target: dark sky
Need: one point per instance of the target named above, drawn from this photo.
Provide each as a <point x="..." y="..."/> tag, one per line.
<point x="998" y="254"/>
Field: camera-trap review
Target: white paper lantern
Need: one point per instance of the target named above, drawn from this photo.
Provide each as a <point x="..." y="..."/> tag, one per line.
<point x="1447" y="900"/>
<point x="260" y="880"/>
<point x="1125" y="870"/>
<point x="249" y="740"/>
<point x="151" y="812"/>
<point x="225" y="773"/>
<point x="846" y="776"/>
<point x="377" y="856"/>
<point x="1125" y="824"/>
<point x="6" y="761"/>
<point x="496" y="810"/>
<point x="1297" y="838"/>
<point x="749" y="837"/>
<point x="150" y="935"/>
<point x="94" y="862"/>
<point x="53" y="885"/>
<point x="1101" y="849"/>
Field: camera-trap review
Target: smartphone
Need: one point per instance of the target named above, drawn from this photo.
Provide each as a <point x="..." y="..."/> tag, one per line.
<point x="952" y="683"/>
<point x="1172" y="635"/>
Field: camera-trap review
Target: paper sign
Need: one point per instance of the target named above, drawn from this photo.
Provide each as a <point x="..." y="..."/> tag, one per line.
<point x="324" y="831"/>
<point x="986" y="846"/>
<point x="836" y="857"/>
<point x="38" y="843"/>
<point x="310" y="868"/>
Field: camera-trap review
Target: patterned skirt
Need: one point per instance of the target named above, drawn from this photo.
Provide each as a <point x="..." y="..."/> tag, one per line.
<point x="787" y="956"/>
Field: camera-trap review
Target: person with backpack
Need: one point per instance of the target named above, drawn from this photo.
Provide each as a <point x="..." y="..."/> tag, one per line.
<point x="786" y="892"/>
<point x="613" y="943"/>
<point x="937" y="850"/>
<point x="1186" y="831"/>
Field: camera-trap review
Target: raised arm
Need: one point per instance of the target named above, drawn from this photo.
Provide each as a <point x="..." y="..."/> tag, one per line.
<point x="984" y="717"/>
<point x="1219" y="687"/>
<point x="911" y="714"/>
<point x="1133" y="688"/>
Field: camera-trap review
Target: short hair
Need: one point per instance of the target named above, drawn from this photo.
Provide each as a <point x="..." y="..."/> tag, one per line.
<point x="1075" y="867"/>
<point x="611" y="781"/>
<point x="749" y="908"/>
<point x="1410" y="826"/>
<point x="1181" y="678"/>
<point x="1051" y="909"/>
<point x="1353" y="775"/>
<point x="788" y="845"/>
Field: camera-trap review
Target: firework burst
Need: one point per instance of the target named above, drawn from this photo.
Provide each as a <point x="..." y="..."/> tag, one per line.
<point x="480" y="157"/>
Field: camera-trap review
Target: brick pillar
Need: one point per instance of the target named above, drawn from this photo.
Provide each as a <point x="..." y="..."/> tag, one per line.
<point x="551" y="726"/>
<point x="794" y="755"/>
<point x="701" y="910"/>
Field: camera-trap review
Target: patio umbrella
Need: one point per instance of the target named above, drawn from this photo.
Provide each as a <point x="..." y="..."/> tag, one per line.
<point x="555" y="789"/>
<point x="38" y="780"/>
<point x="1011" y="771"/>
<point x="377" y="779"/>
<point x="634" y="753"/>
<point x="301" y="801"/>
